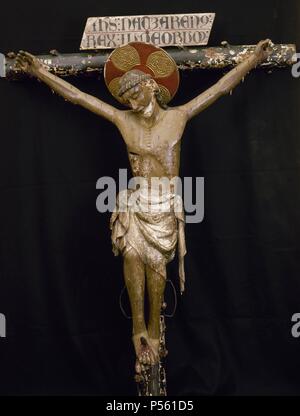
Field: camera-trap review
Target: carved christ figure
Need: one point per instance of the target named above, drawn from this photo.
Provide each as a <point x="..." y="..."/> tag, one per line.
<point x="145" y="78"/>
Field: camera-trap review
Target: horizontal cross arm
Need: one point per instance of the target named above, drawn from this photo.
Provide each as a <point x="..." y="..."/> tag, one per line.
<point x="186" y="58"/>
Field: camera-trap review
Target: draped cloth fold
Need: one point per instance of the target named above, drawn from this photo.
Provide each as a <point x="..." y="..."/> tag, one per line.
<point x="153" y="225"/>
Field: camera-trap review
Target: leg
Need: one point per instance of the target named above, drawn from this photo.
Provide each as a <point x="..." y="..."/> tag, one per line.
<point x="134" y="273"/>
<point x="156" y="286"/>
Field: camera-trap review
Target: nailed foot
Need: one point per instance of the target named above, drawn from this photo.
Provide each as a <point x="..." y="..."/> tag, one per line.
<point x="146" y="355"/>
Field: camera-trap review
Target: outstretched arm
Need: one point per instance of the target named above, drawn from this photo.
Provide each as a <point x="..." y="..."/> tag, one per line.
<point x="31" y="65"/>
<point x="228" y="82"/>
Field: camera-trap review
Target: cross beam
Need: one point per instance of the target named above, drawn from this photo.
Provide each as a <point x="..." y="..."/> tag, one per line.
<point x="92" y="63"/>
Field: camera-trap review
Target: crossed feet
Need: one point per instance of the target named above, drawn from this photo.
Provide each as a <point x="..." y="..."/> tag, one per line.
<point x="146" y="350"/>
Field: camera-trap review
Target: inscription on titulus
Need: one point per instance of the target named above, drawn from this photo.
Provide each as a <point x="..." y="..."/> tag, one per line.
<point x="161" y="30"/>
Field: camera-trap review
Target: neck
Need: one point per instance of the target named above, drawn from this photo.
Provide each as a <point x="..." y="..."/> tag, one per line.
<point x="152" y="112"/>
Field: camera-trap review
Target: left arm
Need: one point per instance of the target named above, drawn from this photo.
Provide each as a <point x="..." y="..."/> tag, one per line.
<point x="227" y="82"/>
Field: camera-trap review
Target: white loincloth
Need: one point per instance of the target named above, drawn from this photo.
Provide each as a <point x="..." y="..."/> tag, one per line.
<point x="152" y="225"/>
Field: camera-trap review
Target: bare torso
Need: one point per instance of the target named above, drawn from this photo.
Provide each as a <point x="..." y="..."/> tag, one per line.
<point x="154" y="151"/>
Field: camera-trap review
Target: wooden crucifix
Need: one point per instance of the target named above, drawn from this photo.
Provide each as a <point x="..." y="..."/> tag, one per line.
<point x="145" y="77"/>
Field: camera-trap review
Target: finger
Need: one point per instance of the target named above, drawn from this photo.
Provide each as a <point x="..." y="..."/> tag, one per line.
<point x="29" y="56"/>
<point x="19" y="62"/>
<point x="21" y="53"/>
<point x="25" y="56"/>
<point x="21" y="57"/>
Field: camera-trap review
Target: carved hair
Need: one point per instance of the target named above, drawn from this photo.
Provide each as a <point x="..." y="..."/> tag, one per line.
<point x="135" y="77"/>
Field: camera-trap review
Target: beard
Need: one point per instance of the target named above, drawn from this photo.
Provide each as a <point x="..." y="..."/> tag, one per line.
<point x="148" y="111"/>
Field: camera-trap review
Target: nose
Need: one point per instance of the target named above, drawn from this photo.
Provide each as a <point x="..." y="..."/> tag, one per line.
<point x="133" y="104"/>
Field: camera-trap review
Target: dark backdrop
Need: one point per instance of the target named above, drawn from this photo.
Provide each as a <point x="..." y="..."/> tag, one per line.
<point x="59" y="281"/>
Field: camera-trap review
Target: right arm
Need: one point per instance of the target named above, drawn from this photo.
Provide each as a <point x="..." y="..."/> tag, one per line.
<point x="228" y="81"/>
<point x="31" y="65"/>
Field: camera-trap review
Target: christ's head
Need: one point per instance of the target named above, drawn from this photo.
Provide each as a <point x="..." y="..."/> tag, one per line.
<point x="140" y="92"/>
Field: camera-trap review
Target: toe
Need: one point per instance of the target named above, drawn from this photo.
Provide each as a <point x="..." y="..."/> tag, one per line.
<point x="138" y="367"/>
<point x="143" y="358"/>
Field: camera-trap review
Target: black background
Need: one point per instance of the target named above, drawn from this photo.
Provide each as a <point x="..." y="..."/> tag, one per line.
<point x="59" y="281"/>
